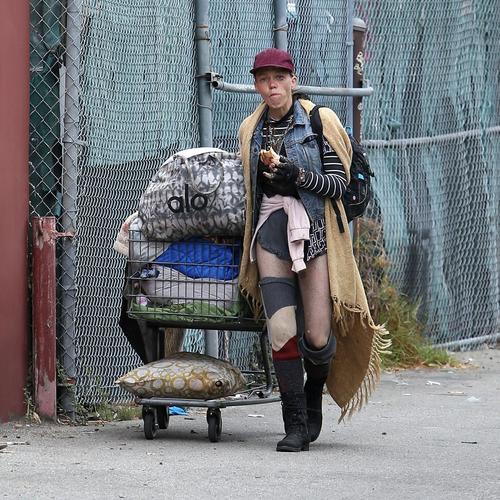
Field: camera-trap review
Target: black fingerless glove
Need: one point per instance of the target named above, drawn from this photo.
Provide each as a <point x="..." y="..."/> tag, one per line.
<point x="286" y="171"/>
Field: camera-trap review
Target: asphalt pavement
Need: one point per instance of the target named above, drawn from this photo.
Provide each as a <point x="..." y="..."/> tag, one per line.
<point x="426" y="434"/>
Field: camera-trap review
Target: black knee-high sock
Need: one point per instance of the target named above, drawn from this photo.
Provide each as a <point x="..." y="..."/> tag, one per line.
<point x="290" y="375"/>
<point x="317" y="361"/>
<point x="288" y="368"/>
<point x="316" y="372"/>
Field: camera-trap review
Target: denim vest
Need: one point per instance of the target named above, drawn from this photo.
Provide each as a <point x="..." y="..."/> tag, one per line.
<point x="302" y="149"/>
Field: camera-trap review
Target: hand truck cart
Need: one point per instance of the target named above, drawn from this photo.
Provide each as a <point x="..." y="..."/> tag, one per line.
<point x="193" y="284"/>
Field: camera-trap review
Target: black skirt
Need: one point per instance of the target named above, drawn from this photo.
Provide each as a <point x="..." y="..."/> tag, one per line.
<point x="272" y="236"/>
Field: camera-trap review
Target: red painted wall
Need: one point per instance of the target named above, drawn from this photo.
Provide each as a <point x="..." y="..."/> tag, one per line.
<point x="14" y="137"/>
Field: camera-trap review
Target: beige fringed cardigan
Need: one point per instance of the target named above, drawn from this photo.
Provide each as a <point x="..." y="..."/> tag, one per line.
<point x="355" y="369"/>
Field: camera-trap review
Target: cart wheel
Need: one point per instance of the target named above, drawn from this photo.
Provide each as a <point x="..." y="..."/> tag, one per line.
<point x="149" y="424"/>
<point x="214" y="420"/>
<point x="162" y="416"/>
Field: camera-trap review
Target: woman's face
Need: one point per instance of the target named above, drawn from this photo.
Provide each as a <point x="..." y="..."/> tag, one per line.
<point x="275" y="87"/>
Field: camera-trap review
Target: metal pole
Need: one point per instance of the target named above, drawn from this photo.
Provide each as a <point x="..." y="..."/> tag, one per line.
<point x="358" y="36"/>
<point x="359" y="30"/>
<point x="212" y="343"/>
<point x="70" y="173"/>
<point x="44" y="316"/>
<point x="203" y="65"/>
<point x="280" y="24"/>
<point x="305" y="58"/>
<point x="219" y="84"/>
<point x="434" y="139"/>
<point x="349" y="44"/>
<point x="468" y="343"/>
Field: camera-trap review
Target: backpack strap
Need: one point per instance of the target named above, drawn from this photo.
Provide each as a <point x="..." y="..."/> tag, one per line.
<point x="317" y="128"/>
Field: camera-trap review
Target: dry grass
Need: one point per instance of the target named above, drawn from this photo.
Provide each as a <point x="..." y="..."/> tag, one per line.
<point x="390" y="307"/>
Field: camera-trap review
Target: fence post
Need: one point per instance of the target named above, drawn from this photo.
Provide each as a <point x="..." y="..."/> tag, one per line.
<point x="203" y="70"/>
<point x="44" y="316"/>
<point x="358" y="36"/>
<point x="280" y="25"/>
<point x="349" y="57"/>
<point x="70" y="134"/>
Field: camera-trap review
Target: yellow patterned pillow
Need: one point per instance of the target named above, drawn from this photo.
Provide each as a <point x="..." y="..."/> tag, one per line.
<point x="184" y="375"/>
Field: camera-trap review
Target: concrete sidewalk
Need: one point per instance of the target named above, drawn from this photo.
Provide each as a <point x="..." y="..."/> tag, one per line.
<point x="432" y="434"/>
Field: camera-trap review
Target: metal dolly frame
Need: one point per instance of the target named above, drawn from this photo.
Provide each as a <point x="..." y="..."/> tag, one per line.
<point x="155" y="409"/>
<point x="155" y="412"/>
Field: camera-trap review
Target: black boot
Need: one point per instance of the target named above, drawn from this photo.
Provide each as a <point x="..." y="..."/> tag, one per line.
<point x="317" y="365"/>
<point x="290" y="376"/>
<point x="313" y="388"/>
<point x="295" y="420"/>
<point x="314" y="395"/>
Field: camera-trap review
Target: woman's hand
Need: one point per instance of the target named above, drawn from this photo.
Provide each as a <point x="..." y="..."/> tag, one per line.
<point x="281" y="169"/>
<point x="285" y="171"/>
<point x="269" y="157"/>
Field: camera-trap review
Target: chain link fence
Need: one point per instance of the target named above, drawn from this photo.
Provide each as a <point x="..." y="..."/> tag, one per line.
<point x="433" y="133"/>
<point x="114" y="93"/>
<point x="113" y="97"/>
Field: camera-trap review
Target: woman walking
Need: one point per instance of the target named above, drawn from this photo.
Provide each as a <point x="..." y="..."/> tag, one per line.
<point x="296" y="263"/>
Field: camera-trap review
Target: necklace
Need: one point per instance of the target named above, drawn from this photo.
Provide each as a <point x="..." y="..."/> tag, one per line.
<point x="275" y="140"/>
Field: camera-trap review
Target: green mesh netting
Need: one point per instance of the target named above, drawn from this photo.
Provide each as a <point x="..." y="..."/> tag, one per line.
<point x="434" y="141"/>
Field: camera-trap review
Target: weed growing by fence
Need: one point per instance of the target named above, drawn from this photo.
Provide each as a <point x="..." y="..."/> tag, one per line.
<point x="392" y="308"/>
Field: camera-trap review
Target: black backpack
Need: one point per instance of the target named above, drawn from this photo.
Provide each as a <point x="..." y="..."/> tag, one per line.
<point x="359" y="191"/>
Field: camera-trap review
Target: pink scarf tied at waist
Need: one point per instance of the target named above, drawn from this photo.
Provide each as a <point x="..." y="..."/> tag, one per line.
<point x="297" y="227"/>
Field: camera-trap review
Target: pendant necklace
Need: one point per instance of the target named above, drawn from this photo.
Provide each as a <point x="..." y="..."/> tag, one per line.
<point x="273" y="141"/>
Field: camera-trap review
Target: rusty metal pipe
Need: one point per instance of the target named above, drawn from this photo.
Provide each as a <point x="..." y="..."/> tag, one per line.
<point x="44" y="314"/>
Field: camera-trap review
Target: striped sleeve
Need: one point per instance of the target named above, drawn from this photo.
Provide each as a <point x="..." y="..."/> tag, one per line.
<point x="332" y="182"/>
